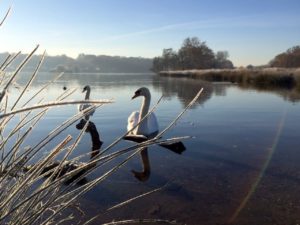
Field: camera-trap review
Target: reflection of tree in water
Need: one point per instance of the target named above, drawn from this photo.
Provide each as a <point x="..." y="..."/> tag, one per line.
<point x="219" y="89"/>
<point x="184" y="88"/>
<point x="291" y="94"/>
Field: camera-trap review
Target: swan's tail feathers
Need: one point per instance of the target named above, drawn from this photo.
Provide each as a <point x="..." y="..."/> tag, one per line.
<point x="177" y="147"/>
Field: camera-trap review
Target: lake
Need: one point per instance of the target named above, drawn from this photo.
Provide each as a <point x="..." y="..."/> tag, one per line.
<point x="242" y="164"/>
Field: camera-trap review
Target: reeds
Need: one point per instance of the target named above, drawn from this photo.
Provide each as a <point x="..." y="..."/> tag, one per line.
<point x="33" y="186"/>
<point x="274" y="77"/>
<point x="32" y="189"/>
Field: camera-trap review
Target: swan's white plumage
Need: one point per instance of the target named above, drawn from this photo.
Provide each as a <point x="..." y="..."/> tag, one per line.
<point x="151" y="124"/>
<point x="85" y="106"/>
<point x="82" y="107"/>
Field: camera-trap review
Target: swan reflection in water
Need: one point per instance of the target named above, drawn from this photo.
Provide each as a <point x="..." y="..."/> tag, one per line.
<point x="95" y="150"/>
<point x="70" y="166"/>
<point x="176" y="147"/>
<point x="95" y="137"/>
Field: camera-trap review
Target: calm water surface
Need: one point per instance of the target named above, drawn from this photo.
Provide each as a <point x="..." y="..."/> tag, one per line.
<point x="242" y="164"/>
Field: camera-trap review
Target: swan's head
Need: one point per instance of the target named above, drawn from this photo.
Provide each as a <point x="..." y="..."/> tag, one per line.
<point x="143" y="91"/>
<point x="86" y="88"/>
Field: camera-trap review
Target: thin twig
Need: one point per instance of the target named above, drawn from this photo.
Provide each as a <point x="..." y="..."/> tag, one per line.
<point x="6" y="15"/>
<point x="20" y="67"/>
<point x="139" y="221"/>
<point x="30" y="80"/>
<point x="43" y="88"/>
<point x="51" y="104"/>
<point x="9" y="62"/>
<point x="136" y="197"/>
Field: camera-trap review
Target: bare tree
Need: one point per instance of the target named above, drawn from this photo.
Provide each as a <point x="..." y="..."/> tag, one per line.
<point x="290" y="58"/>
<point x="195" y="54"/>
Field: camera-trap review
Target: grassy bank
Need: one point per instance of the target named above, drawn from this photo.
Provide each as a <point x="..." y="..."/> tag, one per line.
<point x="264" y="76"/>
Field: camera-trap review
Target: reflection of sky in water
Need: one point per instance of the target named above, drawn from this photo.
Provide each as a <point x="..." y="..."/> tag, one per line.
<point x="234" y="130"/>
<point x="227" y="116"/>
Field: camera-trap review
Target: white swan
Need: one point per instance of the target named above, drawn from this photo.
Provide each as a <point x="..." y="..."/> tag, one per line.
<point x="149" y="126"/>
<point x="82" y="107"/>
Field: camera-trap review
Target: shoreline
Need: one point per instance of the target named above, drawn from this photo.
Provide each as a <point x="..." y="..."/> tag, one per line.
<point x="287" y="77"/>
<point x="240" y="71"/>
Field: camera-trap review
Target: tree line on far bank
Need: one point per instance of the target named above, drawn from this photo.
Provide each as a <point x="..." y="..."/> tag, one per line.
<point x="193" y="54"/>
<point x="288" y="59"/>
<point x="84" y="63"/>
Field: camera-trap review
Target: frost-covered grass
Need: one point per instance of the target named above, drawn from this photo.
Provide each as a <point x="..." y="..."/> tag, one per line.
<point x="32" y="185"/>
<point x="27" y="196"/>
<point x="257" y="76"/>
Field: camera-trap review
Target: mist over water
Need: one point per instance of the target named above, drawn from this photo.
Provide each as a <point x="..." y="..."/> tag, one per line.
<point x="241" y="163"/>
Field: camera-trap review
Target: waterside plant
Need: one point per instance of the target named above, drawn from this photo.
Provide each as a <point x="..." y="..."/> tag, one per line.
<point x="32" y="190"/>
<point x="275" y="77"/>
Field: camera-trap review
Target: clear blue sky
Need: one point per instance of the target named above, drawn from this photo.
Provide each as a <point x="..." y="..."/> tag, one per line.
<point x="252" y="31"/>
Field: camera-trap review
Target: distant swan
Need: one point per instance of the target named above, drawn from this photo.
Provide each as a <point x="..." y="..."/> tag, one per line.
<point x="82" y="107"/>
<point x="149" y="126"/>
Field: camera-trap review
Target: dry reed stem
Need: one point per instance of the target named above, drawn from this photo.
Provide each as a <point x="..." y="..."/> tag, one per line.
<point x="71" y="149"/>
<point x="46" y="140"/>
<point x="57" y="170"/>
<point x="56" y="134"/>
<point x="4" y="62"/>
<point x="101" y="178"/>
<point x="139" y="221"/>
<point x="11" y="59"/>
<point x="19" y="126"/>
<point x="136" y="197"/>
<point x="98" y="162"/>
<point x="180" y="115"/>
<point x="87" y="188"/>
<point x="30" y="80"/>
<point x="33" y="172"/>
<point x="29" y="206"/>
<point x="43" y="88"/>
<point x="39" y="115"/>
<point x="167" y="128"/>
<point x="5" y="17"/>
<point x="25" y="61"/>
<point x="128" y="132"/>
<point x="51" y="104"/>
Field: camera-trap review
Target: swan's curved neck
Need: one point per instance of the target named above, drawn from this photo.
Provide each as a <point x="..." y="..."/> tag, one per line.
<point x="87" y="94"/>
<point x="143" y="112"/>
<point x="145" y="106"/>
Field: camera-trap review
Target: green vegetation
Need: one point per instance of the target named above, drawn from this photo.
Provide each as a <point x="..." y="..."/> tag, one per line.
<point x="193" y="54"/>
